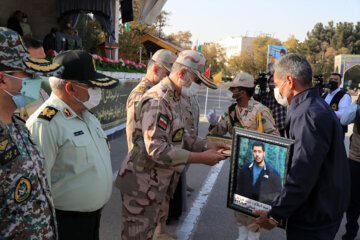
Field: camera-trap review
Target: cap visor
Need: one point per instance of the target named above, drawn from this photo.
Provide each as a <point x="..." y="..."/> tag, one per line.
<point x="40" y="67"/>
<point x="206" y="80"/>
<point x="103" y="81"/>
<point x="226" y="84"/>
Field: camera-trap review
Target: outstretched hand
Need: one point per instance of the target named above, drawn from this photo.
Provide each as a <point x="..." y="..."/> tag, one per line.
<point x="263" y="219"/>
<point x="217" y="145"/>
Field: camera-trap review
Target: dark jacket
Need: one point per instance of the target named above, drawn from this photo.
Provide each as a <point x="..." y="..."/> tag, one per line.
<point x="317" y="189"/>
<point x="266" y="188"/>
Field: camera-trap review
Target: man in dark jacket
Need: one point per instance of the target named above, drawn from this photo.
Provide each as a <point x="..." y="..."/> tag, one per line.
<point x="258" y="180"/>
<point x="317" y="188"/>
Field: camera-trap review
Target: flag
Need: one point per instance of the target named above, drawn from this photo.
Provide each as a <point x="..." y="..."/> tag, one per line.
<point x="199" y="48"/>
<point x="207" y="72"/>
<point x="195" y="48"/>
<point x="217" y="78"/>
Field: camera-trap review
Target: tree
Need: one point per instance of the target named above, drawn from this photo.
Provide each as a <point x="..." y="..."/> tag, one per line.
<point x="292" y="44"/>
<point x="215" y="56"/>
<point x="253" y="59"/>
<point x="181" y="39"/>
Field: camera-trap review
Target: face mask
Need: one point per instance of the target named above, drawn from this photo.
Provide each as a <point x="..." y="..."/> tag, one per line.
<point x="333" y="85"/>
<point x="30" y="88"/>
<point x="94" y="97"/>
<point x="190" y="91"/>
<point x="280" y="99"/>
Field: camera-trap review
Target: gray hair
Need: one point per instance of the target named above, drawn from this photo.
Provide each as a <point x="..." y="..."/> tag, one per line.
<point x="57" y="83"/>
<point x="296" y="66"/>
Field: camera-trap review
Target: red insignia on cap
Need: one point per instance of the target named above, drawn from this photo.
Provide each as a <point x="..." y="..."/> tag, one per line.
<point x="67" y="112"/>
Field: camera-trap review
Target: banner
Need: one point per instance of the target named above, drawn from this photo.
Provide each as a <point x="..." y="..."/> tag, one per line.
<point x="275" y="52"/>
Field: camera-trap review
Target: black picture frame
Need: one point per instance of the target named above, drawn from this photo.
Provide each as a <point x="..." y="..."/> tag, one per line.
<point x="243" y="195"/>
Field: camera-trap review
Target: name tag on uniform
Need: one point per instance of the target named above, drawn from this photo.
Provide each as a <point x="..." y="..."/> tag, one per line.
<point x="78" y="133"/>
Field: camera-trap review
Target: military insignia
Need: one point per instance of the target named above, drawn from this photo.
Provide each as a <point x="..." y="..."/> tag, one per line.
<point x="140" y="88"/>
<point x="334" y="106"/>
<point x="162" y="122"/>
<point x="136" y="103"/>
<point x="8" y="155"/>
<point x="48" y="113"/>
<point x="67" y="112"/>
<point x="178" y="135"/>
<point x="4" y="144"/>
<point x="22" y="44"/>
<point x="78" y="133"/>
<point x="23" y="190"/>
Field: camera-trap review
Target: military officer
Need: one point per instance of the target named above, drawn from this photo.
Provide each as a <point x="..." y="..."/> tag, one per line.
<point x="248" y="114"/>
<point x="26" y="205"/>
<point x="158" y="67"/>
<point x="76" y="152"/>
<point x="158" y="155"/>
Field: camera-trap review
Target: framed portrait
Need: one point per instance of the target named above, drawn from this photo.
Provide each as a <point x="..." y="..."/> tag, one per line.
<point x="259" y="165"/>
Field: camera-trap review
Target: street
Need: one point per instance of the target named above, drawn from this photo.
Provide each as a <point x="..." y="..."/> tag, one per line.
<point x="207" y="216"/>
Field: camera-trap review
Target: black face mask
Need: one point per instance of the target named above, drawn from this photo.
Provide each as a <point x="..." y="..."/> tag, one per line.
<point x="333" y="85"/>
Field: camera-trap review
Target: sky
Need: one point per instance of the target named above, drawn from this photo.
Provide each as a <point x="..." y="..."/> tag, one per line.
<point x="214" y="20"/>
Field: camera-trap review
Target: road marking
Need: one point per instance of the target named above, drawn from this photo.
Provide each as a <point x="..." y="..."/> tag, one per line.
<point x="185" y="229"/>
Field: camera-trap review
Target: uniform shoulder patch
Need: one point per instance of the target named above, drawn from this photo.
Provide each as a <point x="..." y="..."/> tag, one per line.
<point x="23" y="190"/>
<point x="3" y="144"/>
<point x="178" y="135"/>
<point x="163" y="121"/>
<point x="48" y="113"/>
<point x="140" y="89"/>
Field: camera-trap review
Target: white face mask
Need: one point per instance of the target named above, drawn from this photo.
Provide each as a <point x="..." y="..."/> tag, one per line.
<point x="280" y="99"/>
<point x="94" y="97"/>
<point x="190" y="91"/>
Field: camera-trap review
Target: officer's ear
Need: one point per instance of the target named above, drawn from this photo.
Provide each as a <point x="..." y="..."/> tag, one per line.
<point x="156" y="69"/>
<point x="69" y="88"/>
<point x="3" y="81"/>
<point x="291" y="81"/>
<point x="182" y="72"/>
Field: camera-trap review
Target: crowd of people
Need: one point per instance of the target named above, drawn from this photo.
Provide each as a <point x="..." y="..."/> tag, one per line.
<point x="56" y="174"/>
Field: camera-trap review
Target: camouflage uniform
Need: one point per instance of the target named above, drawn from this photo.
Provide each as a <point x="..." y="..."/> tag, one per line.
<point x="190" y="110"/>
<point x="255" y="117"/>
<point x="155" y="161"/>
<point x="131" y="103"/>
<point x="26" y="207"/>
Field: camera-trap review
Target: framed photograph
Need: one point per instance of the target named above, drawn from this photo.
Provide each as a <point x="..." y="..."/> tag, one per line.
<point x="259" y="165"/>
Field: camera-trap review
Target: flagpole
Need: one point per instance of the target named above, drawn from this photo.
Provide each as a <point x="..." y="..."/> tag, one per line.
<point x="207" y="93"/>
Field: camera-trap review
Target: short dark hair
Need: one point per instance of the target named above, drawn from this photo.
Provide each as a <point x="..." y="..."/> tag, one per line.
<point x="283" y="51"/>
<point x="336" y="74"/>
<point x="53" y="30"/>
<point x="259" y="144"/>
<point x="32" y="43"/>
<point x="249" y="91"/>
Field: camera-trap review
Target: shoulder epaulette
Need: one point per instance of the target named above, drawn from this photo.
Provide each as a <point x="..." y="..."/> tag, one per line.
<point x="48" y="113"/>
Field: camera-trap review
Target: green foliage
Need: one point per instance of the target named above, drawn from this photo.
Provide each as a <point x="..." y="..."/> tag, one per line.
<point x="90" y="32"/>
<point x="215" y="56"/>
<point x="323" y="43"/>
<point x="253" y="58"/>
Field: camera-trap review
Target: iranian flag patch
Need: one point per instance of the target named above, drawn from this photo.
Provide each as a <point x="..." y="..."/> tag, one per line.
<point x="162" y="122"/>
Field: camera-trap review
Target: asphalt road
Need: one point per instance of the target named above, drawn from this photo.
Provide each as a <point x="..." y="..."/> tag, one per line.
<point x="206" y="216"/>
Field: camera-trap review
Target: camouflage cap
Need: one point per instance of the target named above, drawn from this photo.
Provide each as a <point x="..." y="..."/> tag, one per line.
<point x="196" y="62"/>
<point x="241" y="79"/>
<point x="165" y="57"/>
<point x="14" y="54"/>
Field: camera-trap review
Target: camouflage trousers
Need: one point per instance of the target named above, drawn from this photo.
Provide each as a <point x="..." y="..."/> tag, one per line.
<point x="164" y="206"/>
<point x="138" y="218"/>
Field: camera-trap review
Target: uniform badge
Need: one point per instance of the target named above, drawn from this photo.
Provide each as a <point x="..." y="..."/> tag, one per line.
<point x="162" y="122"/>
<point x="93" y="61"/>
<point x="8" y="155"/>
<point x="67" y="112"/>
<point x="23" y="190"/>
<point x="48" y="113"/>
<point x="334" y="106"/>
<point x="78" y="133"/>
<point x="178" y="135"/>
<point x="3" y="144"/>
<point x="136" y="103"/>
<point x="140" y="88"/>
